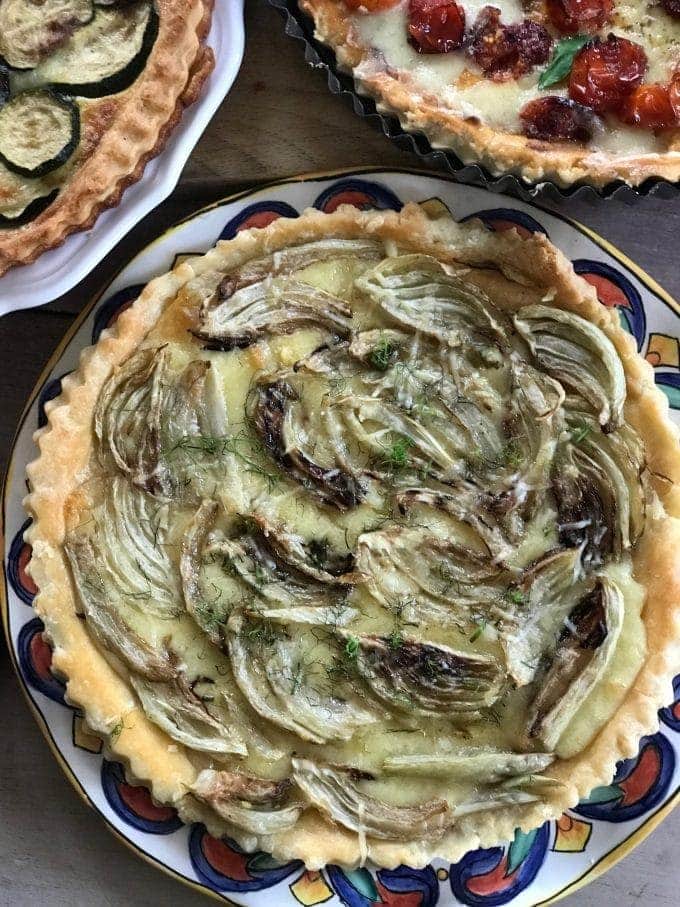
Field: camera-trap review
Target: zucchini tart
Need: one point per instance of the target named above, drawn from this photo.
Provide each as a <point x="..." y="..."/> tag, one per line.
<point x="565" y="90"/>
<point x="89" y="92"/>
<point x="356" y="538"/>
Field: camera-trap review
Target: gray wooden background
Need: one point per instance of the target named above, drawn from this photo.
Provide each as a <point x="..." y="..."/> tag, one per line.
<point x="278" y="120"/>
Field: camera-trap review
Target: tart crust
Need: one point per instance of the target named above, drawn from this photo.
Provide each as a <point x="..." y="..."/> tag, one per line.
<point x="474" y="142"/>
<point x="525" y="269"/>
<point x="123" y="132"/>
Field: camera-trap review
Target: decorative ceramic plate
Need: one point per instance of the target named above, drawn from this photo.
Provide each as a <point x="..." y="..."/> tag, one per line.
<point x="62" y="268"/>
<point x="534" y="868"/>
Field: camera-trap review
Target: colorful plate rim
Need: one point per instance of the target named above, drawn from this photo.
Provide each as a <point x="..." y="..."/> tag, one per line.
<point x="606" y="861"/>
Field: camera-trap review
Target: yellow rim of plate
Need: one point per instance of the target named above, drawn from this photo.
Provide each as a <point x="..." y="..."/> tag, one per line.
<point x="612" y="857"/>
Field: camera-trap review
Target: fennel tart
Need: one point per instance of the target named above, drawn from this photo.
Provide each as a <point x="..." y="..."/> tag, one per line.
<point x="89" y="93"/>
<point x="571" y="91"/>
<point x="356" y="538"/>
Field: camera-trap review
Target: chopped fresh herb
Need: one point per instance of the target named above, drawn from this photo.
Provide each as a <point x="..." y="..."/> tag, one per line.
<point x="397" y="455"/>
<point x="492" y="716"/>
<point x="511" y="454"/>
<point x="262" y="632"/>
<point x="396" y="639"/>
<point x="116" y="730"/>
<point x="336" y="386"/>
<point x="580" y="433"/>
<point x="481" y="626"/>
<point x="208" y="618"/>
<point x="516" y="596"/>
<point x="218" y="447"/>
<point x="382" y="354"/>
<point x="562" y="60"/>
<point x="352" y="647"/>
<point x="202" y="443"/>
<point x="261" y="575"/>
<point x="431" y="667"/>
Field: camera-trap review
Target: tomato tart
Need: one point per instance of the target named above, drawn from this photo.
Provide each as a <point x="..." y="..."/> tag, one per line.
<point x="356" y="538"/>
<point x="89" y="92"/>
<point x="562" y="90"/>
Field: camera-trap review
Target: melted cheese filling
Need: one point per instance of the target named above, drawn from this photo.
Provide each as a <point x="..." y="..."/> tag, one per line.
<point x="455" y="82"/>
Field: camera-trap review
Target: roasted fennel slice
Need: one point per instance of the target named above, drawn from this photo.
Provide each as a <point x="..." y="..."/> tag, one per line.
<point x="426" y="679"/>
<point x="339" y="794"/>
<point x="162" y="430"/>
<point x="289" y="678"/>
<point x="584" y="649"/>
<point x="418" y="292"/>
<point x="215" y="287"/>
<point x="336" y="444"/>
<point x="493" y="798"/>
<point x="241" y="317"/>
<point x="488" y="766"/>
<point x="465" y="506"/>
<point x="106" y="613"/>
<point x="176" y="708"/>
<point x="274" y="419"/>
<point x="129" y="414"/>
<point x="110" y="556"/>
<point x="599" y="489"/>
<point x="132" y="532"/>
<point x="256" y="805"/>
<point x="446" y="581"/>
<point x="265" y="565"/>
<point x="579" y="355"/>
<point x="542" y="600"/>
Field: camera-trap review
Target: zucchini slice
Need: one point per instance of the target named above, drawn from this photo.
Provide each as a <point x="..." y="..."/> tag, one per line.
<point x="22" y="200"/>
<point x="39" y="131"/>
<point x="31" y="29"/>
<point x="101" y="58"/>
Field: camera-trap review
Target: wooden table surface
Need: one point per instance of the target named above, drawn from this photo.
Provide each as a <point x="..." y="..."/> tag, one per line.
<point x="278" y="120"/>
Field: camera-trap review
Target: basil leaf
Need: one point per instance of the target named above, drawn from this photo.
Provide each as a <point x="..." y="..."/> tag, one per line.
<point x="562" y="60"/>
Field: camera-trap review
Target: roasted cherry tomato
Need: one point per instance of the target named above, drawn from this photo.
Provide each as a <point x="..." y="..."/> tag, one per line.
<point x="579" y="16"/>
<point x="672" y="7"/>
<point x="674" y="95"/>
<point x="507" y="51"/>
<point x="557" y="119"/>
<point x="371" y="6"/>
<point x="650" y="106"/>
<point x="604" y="73"/>
<point x="435" y="26"/>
